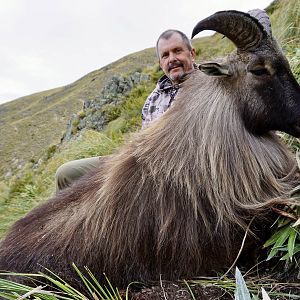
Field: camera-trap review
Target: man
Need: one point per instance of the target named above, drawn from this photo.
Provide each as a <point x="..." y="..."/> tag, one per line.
<point x="176" y="58"/>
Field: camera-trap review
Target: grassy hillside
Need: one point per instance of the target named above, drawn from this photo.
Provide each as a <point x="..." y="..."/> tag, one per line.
<point x="32" y="123"/>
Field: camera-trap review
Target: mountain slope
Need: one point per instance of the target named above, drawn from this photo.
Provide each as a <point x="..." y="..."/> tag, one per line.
<point x="31" y="124"/>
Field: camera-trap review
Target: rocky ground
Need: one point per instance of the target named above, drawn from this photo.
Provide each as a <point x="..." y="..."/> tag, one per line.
<point x="180" y="291"/>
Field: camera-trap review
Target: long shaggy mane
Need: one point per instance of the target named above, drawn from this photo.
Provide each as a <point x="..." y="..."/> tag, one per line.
<point x="175" y="200"/>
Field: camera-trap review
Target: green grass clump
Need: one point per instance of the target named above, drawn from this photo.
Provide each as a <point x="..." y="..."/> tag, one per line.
<point x="285" y="241"/>
<point x="23" y="193"/>
<point x="130" y="111"/>
<point x="57" y="288"/>
<point x="17" y="197"/>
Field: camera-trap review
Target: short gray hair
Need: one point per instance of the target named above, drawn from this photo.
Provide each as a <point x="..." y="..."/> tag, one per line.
<point x="168" y="33"/>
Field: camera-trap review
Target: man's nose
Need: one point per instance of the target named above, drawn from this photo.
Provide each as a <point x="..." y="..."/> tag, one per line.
<point x="172" y="57"/>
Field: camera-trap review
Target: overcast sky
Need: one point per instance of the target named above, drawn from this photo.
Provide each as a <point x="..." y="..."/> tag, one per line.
<point x="50" y="43"/>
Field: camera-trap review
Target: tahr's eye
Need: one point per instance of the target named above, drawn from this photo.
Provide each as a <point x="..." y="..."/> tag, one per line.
<point x="260" y="72"/>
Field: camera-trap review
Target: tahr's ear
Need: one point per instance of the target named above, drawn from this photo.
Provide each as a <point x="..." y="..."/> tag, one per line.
<point x="215" y="69"/>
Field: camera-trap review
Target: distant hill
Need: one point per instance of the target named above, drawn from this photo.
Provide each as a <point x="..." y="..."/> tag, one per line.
<point x="31" y="124"/>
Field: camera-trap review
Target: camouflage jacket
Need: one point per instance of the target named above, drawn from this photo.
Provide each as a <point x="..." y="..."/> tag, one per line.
<point x="159" y="100"/>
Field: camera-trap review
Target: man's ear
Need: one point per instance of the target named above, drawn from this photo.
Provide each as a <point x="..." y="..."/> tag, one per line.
<point x="215" y="69"/>
<point x="193" y="53"/>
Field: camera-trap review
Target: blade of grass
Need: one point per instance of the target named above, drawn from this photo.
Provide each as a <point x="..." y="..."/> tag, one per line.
<point x="291" y="242"/>
<point x="108" y="292"/>
<point x="241" y="292"/>
<point x="111" y="288"/>
<point x="296" y="250"/>
<point x="190" y="290"/>
<point x="281" y="234"/>
<point x="99" y="288"/>
<point x="83" y="279"/>
<point x="63" y="285"/>
<point x="285" y="233"/>
<point x="264" y="294"/>
<point x="128" y="286"/>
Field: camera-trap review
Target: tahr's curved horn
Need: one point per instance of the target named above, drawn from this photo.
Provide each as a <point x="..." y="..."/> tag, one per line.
<point x="263" y="19"/>
<point x="244" y="30"/>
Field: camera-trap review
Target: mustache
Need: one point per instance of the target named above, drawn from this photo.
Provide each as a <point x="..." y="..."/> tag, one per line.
<point x="174" y="65"/>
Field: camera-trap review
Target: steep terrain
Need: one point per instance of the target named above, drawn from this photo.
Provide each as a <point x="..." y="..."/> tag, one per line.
<point x="31" y="124"/>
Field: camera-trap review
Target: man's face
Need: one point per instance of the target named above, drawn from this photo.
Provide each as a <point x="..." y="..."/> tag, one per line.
<point x="175" y="59"/>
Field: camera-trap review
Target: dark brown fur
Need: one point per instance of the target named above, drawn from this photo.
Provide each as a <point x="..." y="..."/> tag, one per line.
<point x="171" y="204"/>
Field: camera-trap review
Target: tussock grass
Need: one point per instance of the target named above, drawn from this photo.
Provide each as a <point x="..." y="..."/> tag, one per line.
<point x="50" y="286"/>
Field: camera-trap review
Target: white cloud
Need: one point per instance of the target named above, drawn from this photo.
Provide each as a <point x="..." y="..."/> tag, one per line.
<point x="11" y="87"/>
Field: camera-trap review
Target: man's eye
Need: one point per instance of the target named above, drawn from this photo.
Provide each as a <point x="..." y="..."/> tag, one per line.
<point x="165" y="55"/>
<point x="260" y="72"/>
